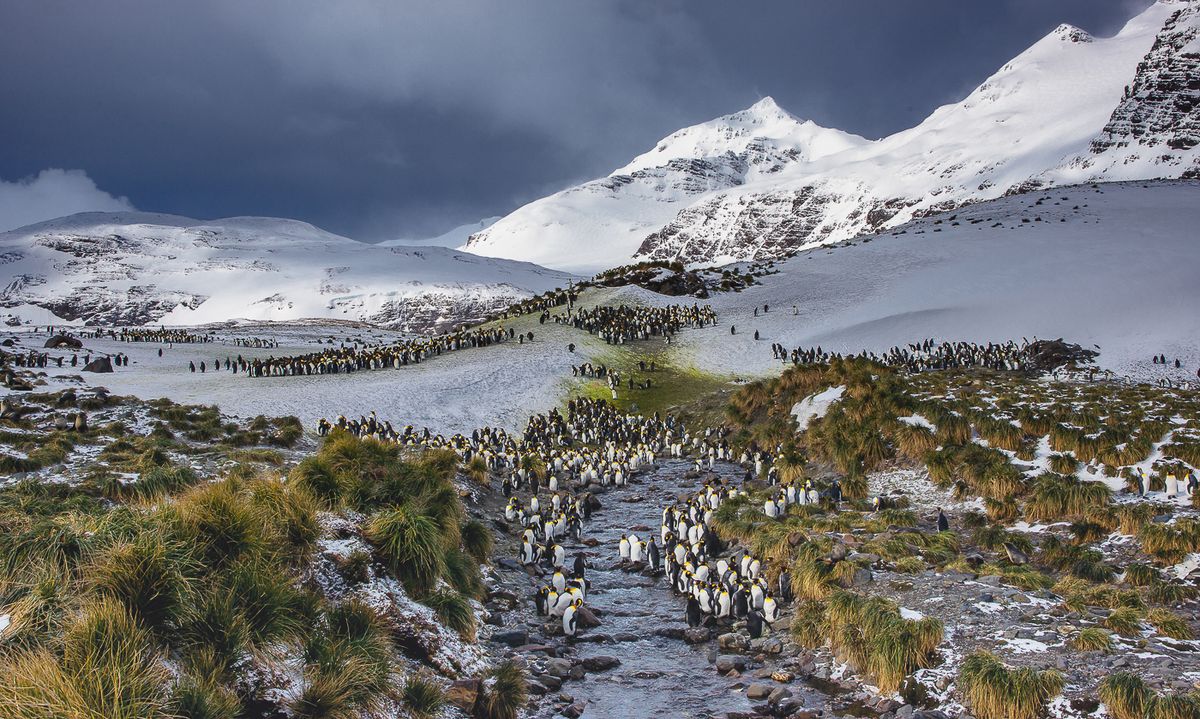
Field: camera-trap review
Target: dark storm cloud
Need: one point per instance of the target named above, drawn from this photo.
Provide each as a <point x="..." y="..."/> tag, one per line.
<point x="384" y="119"/>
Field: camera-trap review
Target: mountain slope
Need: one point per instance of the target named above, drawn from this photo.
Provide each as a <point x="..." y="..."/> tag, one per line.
<point x="1111" y="265"/>
<point x="603" y="222"/>
<point x="453" y="237"/>
<point x="138" y="268"/>
<point x="1057" y="113"/>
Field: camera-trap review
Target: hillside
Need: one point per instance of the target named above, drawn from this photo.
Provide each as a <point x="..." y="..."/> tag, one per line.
<point x="758" y="184"/>
<point x="140" y="268"/>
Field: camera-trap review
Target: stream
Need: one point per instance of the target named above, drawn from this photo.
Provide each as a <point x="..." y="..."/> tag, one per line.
<point x="658" y="676"/>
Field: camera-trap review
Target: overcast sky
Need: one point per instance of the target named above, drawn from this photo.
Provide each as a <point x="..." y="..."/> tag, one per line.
<point x="388" y="119"/>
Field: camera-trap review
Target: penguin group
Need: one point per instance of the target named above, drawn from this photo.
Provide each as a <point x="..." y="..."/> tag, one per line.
<point x="624" y="323"/>
<point x="929" y="355"/>
<point x="719" y="589"/>
<point x="344" y="359"/>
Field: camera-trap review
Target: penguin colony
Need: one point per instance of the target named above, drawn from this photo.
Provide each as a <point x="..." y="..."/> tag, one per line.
<point x="392" y="356"/>
<point x="547" y="472"/>
<point x="624" y="323"/>
<point x="928" y="355"/>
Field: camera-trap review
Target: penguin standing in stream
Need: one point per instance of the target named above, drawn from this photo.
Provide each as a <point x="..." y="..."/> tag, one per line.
<point x="694" y="616"/>
<point x="569" y="619"/>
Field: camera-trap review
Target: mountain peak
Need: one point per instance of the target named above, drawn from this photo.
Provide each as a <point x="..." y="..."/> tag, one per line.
<point x="1070" y="33"/>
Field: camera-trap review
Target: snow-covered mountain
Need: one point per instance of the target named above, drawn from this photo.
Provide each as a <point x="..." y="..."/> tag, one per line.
<point x="133" y="268"/>
<point x="761" y="183"/>
<point x="453" y="237"/>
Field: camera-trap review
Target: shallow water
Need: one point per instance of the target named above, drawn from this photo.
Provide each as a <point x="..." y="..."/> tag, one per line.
<point x="658" y="676"/>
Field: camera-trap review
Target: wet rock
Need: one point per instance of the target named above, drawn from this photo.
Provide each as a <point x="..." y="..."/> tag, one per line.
<point x="573" y="711"/>
<point x="670" y="632"/>
<point x="625" y="637"/>
<point x="601" y="663"/>
<point x="697" y="635"/>
<point x="577" y="672"/>
<point x="758" y="691"/>
<point x="558" y="667"/>
<point x="733" y="642"/>
<point x="727" y="663"/>
<point x="546" y="649"/>
<point x="587" y="618"/>
<point x="550" y="682"/>
<point x="778" y="695"/>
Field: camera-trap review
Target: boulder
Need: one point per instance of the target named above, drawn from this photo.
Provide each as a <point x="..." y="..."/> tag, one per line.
<point x="758" y="691"/>
<point x="514" y="638"/>
<point x="586" y="618"/>
<point x="558" y="667"/>
<point x="99" y="365"/>
<point x="727" y="663"/>
<point x="601" y="663"/>
<point x="60" y="341"/>
<point x="464" y="694"/>
<point x="697" y="635"/>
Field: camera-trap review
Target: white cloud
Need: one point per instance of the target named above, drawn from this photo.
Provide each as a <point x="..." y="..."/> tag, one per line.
<point x="53" y="193"/>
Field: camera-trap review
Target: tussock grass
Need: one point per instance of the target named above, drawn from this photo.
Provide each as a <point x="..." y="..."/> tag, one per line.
<point x="993" y="691"/>
<point x="454" y="610"/>
<point x="869" y="633"/>
<point x="1169" y="624"/>
<point x="506" y="692"/>
<point x="1092" y="639"/>
<point x="107" y="667"/>
<point x="423" y="697"/>
<point x="1126" y="621"/>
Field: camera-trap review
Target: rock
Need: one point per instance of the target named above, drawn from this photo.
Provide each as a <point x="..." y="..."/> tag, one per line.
<point x="697" y="635"/>
<point x="577" y="672"/>
<point x="672" y="632"/>
<point x="503" y="595"/>
<point x="550" y="682"/>
<point x="727" y="663"/>
<point x="513" y="639"/>
<point x="546" y="649"/>
<point x="573" y="711"/>
<point x="585" y="617"/>
<point x="558" y="667"/>
<point x="905" y="712"/>
<point x="758" y="691"/>
<point x="60" y="341"/>
<point x="732" y="642"/>
<point x="990" y="580"/>
<point x="600" y="663"/>
<point x="778" y="695"/>
<point x="782" y="677"/>
<point x="99" y="365"/>
<point x="464" y="694"/>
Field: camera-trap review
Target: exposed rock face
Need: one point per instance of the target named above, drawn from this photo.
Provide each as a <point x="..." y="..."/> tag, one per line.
<point x="1162" y="107"/>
